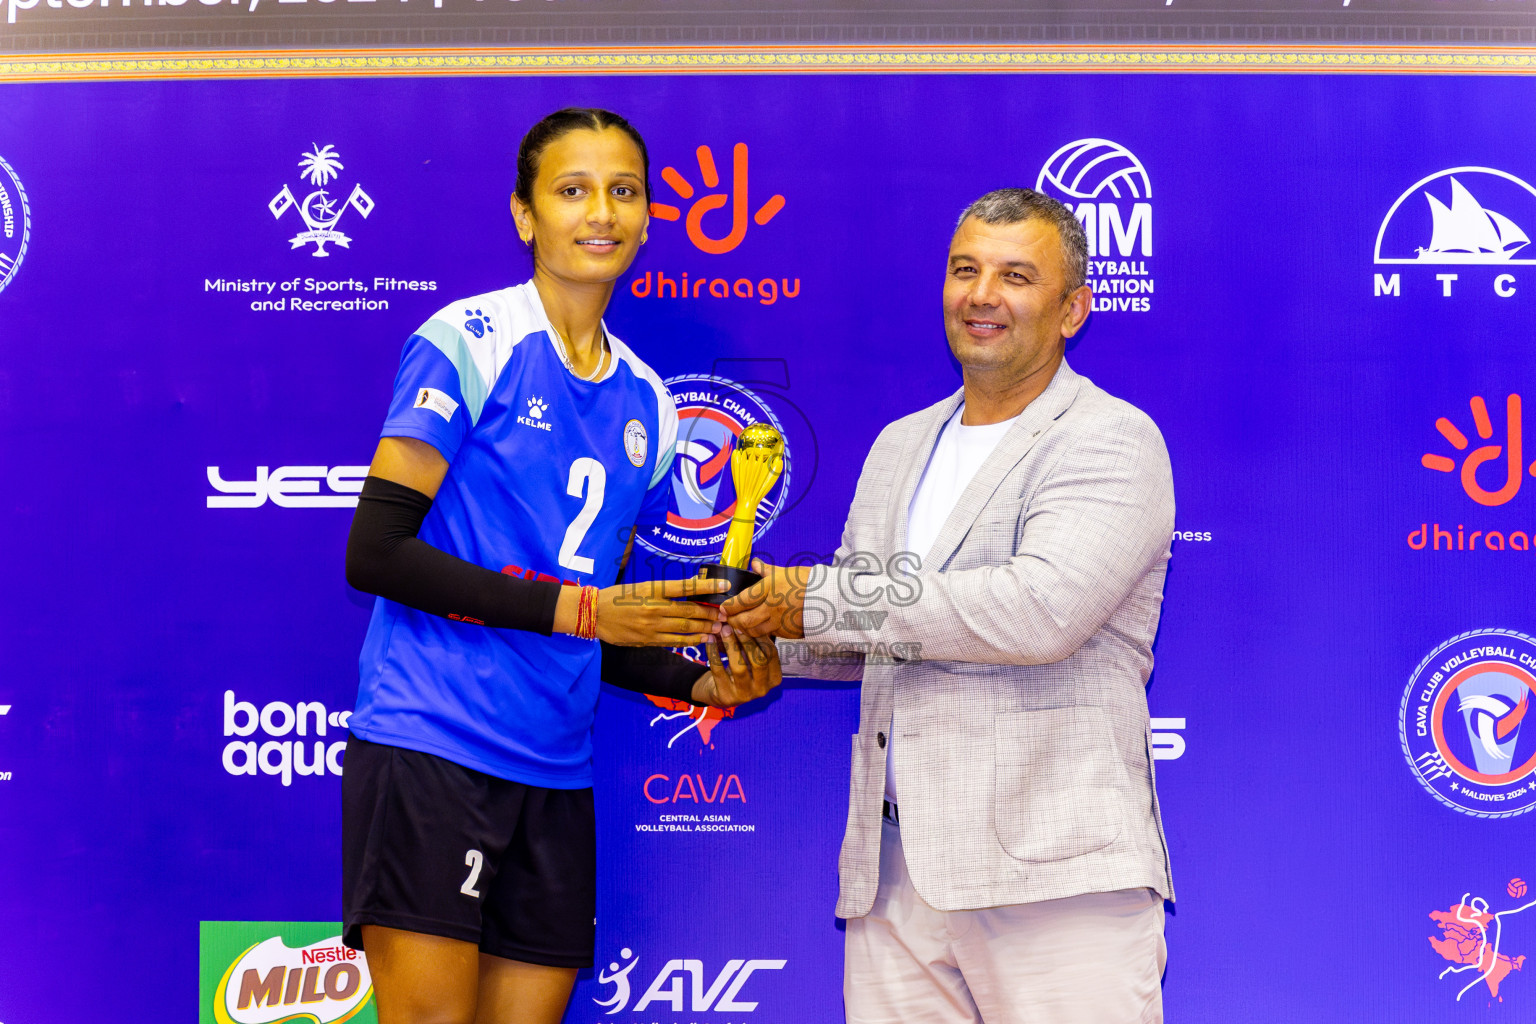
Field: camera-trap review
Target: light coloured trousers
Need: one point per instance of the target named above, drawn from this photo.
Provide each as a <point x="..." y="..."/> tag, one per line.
<point x="1091" y="959"/>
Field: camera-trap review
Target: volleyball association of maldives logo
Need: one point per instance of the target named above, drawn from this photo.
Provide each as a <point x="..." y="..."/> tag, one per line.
<point x="711" y="414"/>
<point x="711" y="195"/>
<point x="1484" y="946"/>
<point x="1463" y="724"/>
<point x="1461" y="215"/>
<point x="15" y="223"/>
<point x="1109" y="190"/>
<point x="319" y="209"/>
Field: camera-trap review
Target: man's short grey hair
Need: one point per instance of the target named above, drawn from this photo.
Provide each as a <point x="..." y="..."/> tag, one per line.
<point x="1013" y="205"/>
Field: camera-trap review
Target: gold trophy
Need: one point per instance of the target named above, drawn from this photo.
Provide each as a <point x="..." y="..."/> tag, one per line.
<point x="755" y="467"/>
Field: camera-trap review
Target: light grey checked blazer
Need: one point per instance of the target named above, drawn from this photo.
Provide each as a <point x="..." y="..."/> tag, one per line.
<point x="1023" y="749"/>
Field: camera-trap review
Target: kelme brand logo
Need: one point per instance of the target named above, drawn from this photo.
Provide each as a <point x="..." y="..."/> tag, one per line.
<point x="1109" y="190"/>
<point x="269" y="972"/>
<point x="1462" y="723"/>
<point x="712" y="412"/>
<point x="15" y="223"/>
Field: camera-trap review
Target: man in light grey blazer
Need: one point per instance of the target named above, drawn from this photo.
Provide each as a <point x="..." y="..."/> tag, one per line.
<point x="997" y="589"/>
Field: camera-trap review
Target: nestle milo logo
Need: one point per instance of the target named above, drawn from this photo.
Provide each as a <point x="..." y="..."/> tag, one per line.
<point x="264" y="972"/>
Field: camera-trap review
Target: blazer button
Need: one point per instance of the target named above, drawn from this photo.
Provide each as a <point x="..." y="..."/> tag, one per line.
<point x="880" y="738"/>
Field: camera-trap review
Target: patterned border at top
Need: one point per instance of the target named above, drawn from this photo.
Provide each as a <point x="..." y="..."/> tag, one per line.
<point x="77" y="67"/>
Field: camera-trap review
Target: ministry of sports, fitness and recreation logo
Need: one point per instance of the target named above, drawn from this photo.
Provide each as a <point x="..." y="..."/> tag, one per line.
<point x="15" y="223"/>
<point x="319" y="209"/>
<point x="711" y="413"/>
<point x="1109" y="190"/>
<point x="276" y="972"/>
<point x="1462" y="723"/>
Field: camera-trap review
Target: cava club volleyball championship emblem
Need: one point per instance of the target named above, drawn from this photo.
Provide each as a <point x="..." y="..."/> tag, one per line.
<point x="711" y="414"/>
<point x="15" y="223"/>
<point x="1462" y="723"/>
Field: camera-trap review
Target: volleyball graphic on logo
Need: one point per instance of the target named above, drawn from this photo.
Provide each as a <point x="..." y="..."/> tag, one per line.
<point x="1517" y="887"/>
<point x="1094" y="169"/>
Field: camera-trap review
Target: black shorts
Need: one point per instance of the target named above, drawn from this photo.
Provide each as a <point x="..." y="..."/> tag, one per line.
<point x="431" y="846"/>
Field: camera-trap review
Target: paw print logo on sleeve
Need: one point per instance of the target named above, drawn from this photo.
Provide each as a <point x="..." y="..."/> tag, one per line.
<point x="478" y="324"/>
<point x="736" y="199"/>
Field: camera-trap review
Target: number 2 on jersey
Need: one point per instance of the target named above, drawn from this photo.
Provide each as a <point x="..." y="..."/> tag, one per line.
<point x="587" y="475"/>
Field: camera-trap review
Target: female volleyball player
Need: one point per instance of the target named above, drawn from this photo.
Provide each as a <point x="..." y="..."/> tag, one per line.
<point x="522" y="444"/>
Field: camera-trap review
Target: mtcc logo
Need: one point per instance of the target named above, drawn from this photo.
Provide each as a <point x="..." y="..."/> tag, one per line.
<point x="1462" y="216"/>
<point x="1109" y="190"/>
<point x="735" y="197"/>
<point x="712" y="412"/>
<point x="684" y="985"/>
<point x="1460" y="723"/>
<point x="319" y="210"/>
<point x="15" y="223"/>
<point x="1505" y="459"/>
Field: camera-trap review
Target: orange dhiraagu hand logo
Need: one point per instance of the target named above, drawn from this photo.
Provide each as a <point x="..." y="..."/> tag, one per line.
<point x="737" y="199"/>
<point x="1507" y="454"/>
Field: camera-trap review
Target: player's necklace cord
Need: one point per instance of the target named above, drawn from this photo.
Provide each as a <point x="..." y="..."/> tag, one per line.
<point x="602" y="356"/>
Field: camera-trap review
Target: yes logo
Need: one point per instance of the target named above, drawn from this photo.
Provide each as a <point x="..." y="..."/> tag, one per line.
<point x="1505" y="459"/>
<point x="685" y="981"/>
<point x="736" y="199"/>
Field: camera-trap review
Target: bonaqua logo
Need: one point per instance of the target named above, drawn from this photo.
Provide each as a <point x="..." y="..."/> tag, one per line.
<point x="1109" y="190"/>
<point x="1490" y="474"/>
<point x="319" y="210"/>
<point x="733" y="200"/>
<point x="1476" y="219"/>
<point x="277" y="756"/>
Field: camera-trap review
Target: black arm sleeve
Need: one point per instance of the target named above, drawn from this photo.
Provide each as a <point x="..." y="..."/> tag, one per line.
<point x="385" y="557"/>
<point x="656" y="670"/>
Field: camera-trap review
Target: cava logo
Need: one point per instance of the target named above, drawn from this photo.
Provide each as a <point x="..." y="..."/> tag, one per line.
<point x="264" y="972"/>
<point x="1460" y="217"/>
<point x="15" y="223"/>
<point x="683" y="986"/>
<point x="711" y="412"/>
<point x="1460" y="723"/>
<point x="1109" y="190"/>
<point x="295" y="486"/>
<point x="320" y="210"/>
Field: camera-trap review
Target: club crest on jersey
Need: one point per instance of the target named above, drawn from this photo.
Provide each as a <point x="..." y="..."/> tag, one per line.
<point x="636" y="443"/>
<point x="319" y="209"/>
<point x="711" y="414"/>
<point x="535" y="418"/>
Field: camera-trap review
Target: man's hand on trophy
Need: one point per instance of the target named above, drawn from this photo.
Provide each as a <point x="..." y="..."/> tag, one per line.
<point x="774" y="606"/>
<point x="750" y="669"/>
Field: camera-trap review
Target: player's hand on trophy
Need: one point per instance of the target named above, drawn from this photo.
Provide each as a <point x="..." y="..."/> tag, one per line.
<point x="649" y="614"/>
<point x="749" y="670"/>
<point x="774" y="606"/>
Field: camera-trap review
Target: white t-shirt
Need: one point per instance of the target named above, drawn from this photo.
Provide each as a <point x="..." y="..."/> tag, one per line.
<point x="957" y="455"/>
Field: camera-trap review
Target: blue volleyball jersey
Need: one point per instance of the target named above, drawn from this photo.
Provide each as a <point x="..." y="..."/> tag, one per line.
<point x="547" y="475"/>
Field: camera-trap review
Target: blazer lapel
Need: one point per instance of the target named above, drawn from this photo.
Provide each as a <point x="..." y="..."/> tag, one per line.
<point x="915" y="455"/>
<point x="1021" y="437"/>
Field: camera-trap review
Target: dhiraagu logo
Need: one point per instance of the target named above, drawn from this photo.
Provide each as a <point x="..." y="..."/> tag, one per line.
<point x="272" y="972"/>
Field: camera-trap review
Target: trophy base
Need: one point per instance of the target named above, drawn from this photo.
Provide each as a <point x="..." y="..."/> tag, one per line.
<point x="740" y="580"/>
